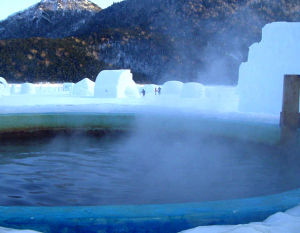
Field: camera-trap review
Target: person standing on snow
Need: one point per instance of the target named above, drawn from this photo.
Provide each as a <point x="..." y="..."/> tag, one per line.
<point x="159" y="90"/>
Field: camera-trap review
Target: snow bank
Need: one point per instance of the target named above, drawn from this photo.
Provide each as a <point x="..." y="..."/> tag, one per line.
<point x="150" y="89"/>
<point x="221" y="98"/>
<point x="27" y="89"/>
<point x="68" y="87"/>
<point x="15" y="89"/>
<point x="287" y="222"/>
<point x="4" y="87"/>
<point x="48" y="88"/>
<point x="116" y="84"/>
<point x="6" y="230"/>
<point x="220" y="92"/>
<point x="260" y="83"/>
<point x="140" y="87"/>
<point x="193" y="90"/>
<point x="172" y="88"/>
<point x="3" y="81"/>
<point x="84" y="88"/>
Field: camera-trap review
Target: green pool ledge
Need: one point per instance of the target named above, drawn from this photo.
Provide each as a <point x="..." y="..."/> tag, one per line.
<point x="144" y="218"/>
<point x="40" y="121"/>
<point x="243" y="130"/>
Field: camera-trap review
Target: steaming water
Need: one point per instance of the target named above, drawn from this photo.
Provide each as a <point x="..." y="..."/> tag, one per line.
<point x="140" y="169"/>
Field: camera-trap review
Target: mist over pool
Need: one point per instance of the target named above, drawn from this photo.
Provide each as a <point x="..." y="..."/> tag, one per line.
<point x="148" y="166"/>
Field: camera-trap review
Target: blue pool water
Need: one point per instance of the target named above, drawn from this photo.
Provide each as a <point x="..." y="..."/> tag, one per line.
<point x="149" y="167"/>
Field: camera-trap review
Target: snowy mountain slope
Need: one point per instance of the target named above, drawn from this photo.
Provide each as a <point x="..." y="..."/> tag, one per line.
<point x="160" y="40"/>
<point x="76" y="5"/>
<point x="48" y="18"/>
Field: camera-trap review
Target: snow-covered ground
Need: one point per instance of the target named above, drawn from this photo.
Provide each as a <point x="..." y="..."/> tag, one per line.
<point x="154" y="104"/>
<point x="6" y="230"/>
<point x="287" y="222"/>
<point x="116" y="92"/>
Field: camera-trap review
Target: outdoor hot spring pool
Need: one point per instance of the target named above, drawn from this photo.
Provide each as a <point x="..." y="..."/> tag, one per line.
<point x="124" y="172"/>
<point x="148" y="167"/>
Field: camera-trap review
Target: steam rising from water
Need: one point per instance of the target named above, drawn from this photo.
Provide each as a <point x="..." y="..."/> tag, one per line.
<point x="154" y="164"/>
<point x="183" y="165"/>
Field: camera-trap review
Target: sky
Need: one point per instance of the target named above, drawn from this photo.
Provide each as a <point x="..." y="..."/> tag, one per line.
<point x="8" y="7"/>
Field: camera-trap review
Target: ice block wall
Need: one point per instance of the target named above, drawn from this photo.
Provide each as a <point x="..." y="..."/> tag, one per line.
<point x="260" y="85"/>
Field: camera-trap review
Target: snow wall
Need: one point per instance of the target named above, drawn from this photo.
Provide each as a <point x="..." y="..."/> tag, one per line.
<point x="196" y="95"/>
<point x="192" y="90"/>
<point x="27" y="89"/>
<point x="84" y="88"/>
<point x="68" y="87"/>
<point x="260" y="85"/>
<point x="48" y="89"/>
<point x="15" y="89"/>
<point x="4" y="87"/>
<point x="172" y="88"/>
<point x="116" y="84"/>
<point x="150" y="89"/>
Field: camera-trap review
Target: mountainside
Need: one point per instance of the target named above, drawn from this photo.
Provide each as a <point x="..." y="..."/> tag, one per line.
<point x="203" y="40"/>
<point x="55" y="60"/>
<point x="49" y="18"/>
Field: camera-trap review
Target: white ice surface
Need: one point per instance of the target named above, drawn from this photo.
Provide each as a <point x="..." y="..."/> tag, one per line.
<point x="6" y="230"/>
<point x="260" y="85"/>
<point x="287" y="222"/>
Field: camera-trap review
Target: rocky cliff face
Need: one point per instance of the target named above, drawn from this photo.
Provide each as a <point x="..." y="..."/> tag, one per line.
<point x="203" y="40"/>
